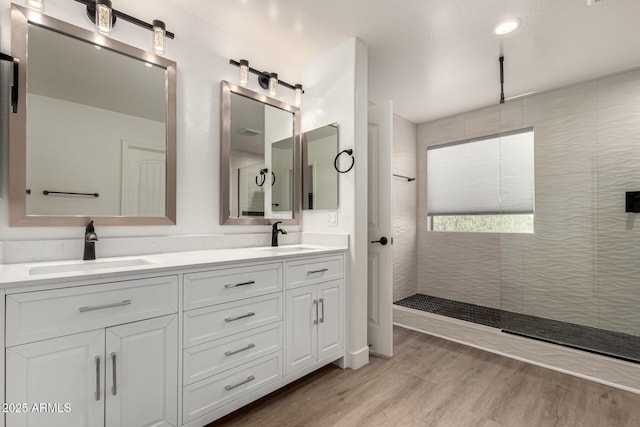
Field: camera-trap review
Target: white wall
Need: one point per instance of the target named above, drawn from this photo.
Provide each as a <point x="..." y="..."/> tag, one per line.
<point x="336" y="92"/>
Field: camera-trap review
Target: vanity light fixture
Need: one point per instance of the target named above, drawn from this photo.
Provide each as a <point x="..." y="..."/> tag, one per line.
<point x="273" y="84"/>
<point x="159" y="30"/>
<point x="37" y="5"/>
<point x="244" y="72"/>
<point x="507" y="26"/>
<point x="268" y="81"/>
<point x="104" y="16"/>
<point x="298" y="96"/>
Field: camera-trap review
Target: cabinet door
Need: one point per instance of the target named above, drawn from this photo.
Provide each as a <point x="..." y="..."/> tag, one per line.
<point x="142" y="373"/>
<point x="62" y="377"/>
<point x="331" y="320"/>
<point x="302" y="332"/>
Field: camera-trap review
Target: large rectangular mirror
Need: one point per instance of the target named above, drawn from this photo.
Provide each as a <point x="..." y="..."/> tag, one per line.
<point x="95" y="133"/>
<point x="259" y="170"/>
<point x="319" y="175"/>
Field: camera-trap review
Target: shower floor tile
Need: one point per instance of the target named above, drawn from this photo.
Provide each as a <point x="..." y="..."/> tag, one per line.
<point x="600" y="341"/>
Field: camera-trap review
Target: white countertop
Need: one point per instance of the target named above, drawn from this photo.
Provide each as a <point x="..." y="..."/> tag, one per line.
<point x="43" y="273"/>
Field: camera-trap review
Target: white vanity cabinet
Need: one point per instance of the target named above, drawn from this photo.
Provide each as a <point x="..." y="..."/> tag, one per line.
<point x="178" y="346"/>
<point x="232" y="336"/>
<point x="72" y="361"/>
<point x="314" y="312"/>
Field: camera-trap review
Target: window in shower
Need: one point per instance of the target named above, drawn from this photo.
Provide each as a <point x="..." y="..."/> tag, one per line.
<point x="482" y="185"/>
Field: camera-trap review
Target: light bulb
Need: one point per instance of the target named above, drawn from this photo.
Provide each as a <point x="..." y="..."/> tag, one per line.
<point x="298" y="96"/>
<point x="103" y="16"/>
<point x="159" y="31"/>
<point x="273" y="84"/>
<point x="244" y="72"/>
<point x="37" y="5"/>
<point x="505" y="27"/>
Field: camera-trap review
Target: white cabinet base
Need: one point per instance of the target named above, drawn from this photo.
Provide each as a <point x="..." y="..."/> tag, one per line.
<point x="65" y="370"/>
<point x="142" y="358"/>
<point x="206" y="395"/>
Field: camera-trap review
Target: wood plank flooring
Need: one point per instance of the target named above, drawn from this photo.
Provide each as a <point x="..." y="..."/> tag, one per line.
<point x="434" y="382"/>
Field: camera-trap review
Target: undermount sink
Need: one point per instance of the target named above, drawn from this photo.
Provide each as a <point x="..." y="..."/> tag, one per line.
<point x="288" y="248"/>
<point x="87" y="266"/>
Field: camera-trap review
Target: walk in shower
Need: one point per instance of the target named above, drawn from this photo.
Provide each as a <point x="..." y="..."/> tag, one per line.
<point x="574" y="279"/>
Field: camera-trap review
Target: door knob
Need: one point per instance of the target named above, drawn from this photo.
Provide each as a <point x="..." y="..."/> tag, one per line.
<point x="383" y="241"/>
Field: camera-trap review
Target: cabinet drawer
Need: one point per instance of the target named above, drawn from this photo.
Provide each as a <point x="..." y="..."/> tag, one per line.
<point x="219" y="286"/>
<point x="33" y="316"/>
<point x="308" y="272"/>
<point x="211" y="358"/>
<point x="211" y="393"/>
<point x="207" y="324"/>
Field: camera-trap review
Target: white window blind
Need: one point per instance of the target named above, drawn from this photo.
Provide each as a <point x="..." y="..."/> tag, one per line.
<point x="492" y="175"/>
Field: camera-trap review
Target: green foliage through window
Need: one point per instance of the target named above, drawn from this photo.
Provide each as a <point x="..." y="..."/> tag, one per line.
<point x="522" y="223"/>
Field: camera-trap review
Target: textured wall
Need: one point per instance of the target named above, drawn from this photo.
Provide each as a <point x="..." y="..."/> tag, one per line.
<point x="581" y="264"/>
<point x="404" y="209"/>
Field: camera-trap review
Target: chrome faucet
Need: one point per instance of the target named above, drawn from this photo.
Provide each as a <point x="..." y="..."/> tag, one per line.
<point x="274" y="233"/>
<point x="90" y="239"/>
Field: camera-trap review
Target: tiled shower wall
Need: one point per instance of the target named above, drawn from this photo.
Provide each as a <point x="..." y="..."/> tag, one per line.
<point x="582" y="264"/>
<point x="404" y="209"/>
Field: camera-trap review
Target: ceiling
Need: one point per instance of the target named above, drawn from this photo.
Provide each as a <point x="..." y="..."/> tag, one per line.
<point x="435" y="58"/>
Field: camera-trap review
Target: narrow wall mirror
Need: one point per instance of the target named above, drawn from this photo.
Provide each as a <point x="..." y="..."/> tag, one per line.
<point x="95" y="133"/>
<point x="319" y="176"/>
<point x="259" y="169"/>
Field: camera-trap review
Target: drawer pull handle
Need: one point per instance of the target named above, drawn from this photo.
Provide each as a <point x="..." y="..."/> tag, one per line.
<point x="231" y="353"/>
<point x="322" y="270"/>
<point x="322" y="312"/>
<point x="102" y="307"/>
<point x="231" y="319"/>
<point x="315" y="302"/>
<point x="250" y="282"/>
<point x="97" y="377"/>
<point x="114" y="388"/>
<point x="248" y="380"/>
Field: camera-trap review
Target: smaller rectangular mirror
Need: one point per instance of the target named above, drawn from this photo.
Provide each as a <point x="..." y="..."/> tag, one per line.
<point x="320" y="178"/>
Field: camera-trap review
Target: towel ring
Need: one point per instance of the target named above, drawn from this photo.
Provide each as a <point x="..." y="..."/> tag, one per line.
<point x="349" y="151"/>
<point x="263" y="173"/>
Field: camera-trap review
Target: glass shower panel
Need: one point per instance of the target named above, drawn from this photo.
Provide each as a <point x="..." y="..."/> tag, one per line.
<point x="576" y="280"/>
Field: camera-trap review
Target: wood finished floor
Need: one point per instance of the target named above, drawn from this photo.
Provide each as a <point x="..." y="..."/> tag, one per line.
<point x="434" y="382"/>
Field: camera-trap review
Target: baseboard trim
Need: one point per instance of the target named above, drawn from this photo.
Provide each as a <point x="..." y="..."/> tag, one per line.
<point x="357" y="359"/>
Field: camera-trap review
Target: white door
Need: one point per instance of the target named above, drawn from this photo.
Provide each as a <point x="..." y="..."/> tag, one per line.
<point x="143" y="180"/>
<point x="142" y="373"/>
<point x="301" y="328"/>
<point x="380" y="254"/>
<point x="67" y="370"/>
<point x="330" y="321"/>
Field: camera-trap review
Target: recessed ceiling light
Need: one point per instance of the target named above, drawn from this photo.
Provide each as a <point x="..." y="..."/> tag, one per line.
<point x="505" y="27"/>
